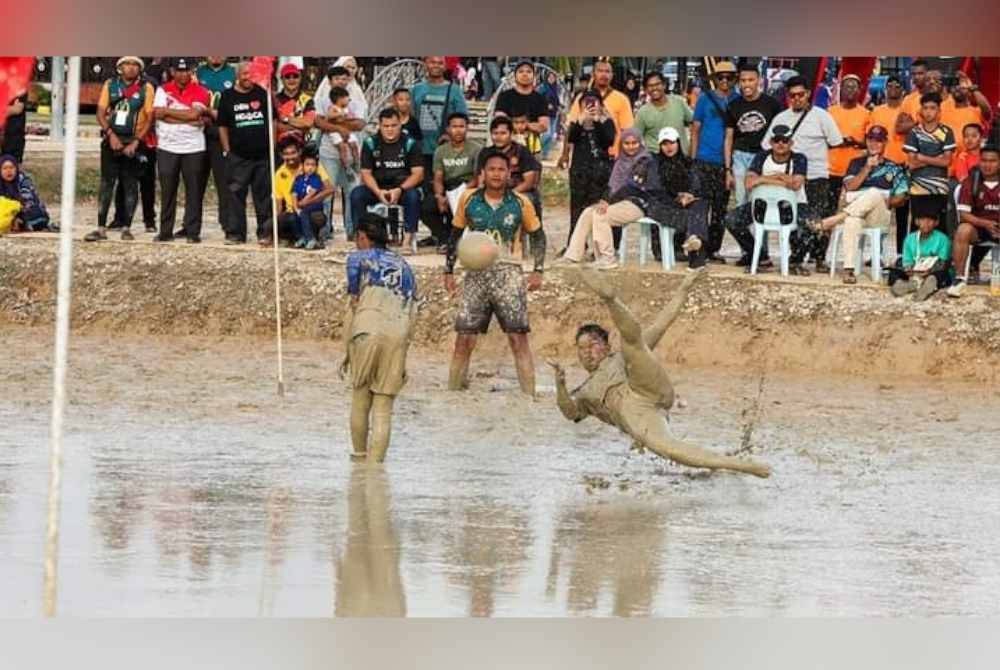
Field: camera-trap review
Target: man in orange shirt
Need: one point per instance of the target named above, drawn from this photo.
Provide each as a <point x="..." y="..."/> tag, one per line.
<point x="967" y="105"/>
<point x="887" y="115"/>
<point x="911" y="103"/>
<point x="852" y="120"/>
<point x="617" y="103"/>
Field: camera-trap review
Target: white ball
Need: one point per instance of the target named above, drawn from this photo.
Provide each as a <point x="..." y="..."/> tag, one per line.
<point x="477" y="251"/>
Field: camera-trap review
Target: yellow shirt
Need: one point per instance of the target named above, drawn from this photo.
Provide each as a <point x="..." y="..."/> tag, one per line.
<point x="852" y="123"/>
<point x="283" y="180"/>
<point x="619" y="109"/>
<point x="886" y="116"/>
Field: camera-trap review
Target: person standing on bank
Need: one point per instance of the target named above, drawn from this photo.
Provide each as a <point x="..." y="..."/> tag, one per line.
<point x="383" y="302"/>
<point x="216" y="75"/>
<point x="243" y="132"/>
<point x="181" y="107"/>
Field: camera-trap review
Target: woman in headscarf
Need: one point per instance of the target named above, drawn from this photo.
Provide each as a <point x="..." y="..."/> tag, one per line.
<point x="634" y="186"/>
<point x="677" y="204"/>
<point x="550" y="91"/>
<point x="589" y="137"/>
<point x="17" y="186"/>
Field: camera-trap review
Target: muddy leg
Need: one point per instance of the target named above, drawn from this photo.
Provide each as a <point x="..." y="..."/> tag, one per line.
<point x="521" y="349"/>
<point x="654" y="333"/>
<point x="361" y="404"/>
<point x="381" y="426"/>
<point x="458" y="375"/>
<point x="650" y="429"/>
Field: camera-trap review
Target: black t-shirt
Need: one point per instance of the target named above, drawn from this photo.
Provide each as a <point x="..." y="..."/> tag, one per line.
<point x="246" y="117"/>
<point x="391" y="163"/>
<point x="749" y="121"/>
<point x="14" y="128"/>
<point x="521" y="161"/>
<point x="512" y="103"/>
<point x="412" y="129"/>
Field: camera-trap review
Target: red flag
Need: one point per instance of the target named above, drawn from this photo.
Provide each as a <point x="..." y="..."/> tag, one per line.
<point x="15" y="74"/>
<point x="261" y="70"/>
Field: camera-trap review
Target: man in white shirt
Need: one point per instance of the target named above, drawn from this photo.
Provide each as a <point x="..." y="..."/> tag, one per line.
<point x="814" y="132"/>
<point x="329" y="152"/>
<point x="180" y="108"/>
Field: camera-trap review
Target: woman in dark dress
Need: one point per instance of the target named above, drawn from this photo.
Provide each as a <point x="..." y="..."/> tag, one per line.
<point x="677" y="203"/>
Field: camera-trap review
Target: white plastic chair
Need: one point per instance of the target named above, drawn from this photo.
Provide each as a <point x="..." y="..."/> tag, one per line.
<point x="992" y="246"/>
<point x="772" y="195"/>
<point x="646" y="225"/>
<point x="874" y="235"/>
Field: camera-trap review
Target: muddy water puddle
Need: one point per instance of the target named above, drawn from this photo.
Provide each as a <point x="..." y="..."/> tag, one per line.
<point x="190" y="490"/>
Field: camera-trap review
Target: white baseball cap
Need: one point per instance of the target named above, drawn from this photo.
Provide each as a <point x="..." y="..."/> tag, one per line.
<point x="668" y="134"/>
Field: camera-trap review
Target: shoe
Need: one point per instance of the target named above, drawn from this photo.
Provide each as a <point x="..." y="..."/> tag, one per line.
<point x="717" y="259"/>
<point x="181" y="233"/>
<point x="232" y="241"/>
<point x="798" y="270"/>
<point x="115" y="225"/>
<point x="605" y="264"/>
<point x="442" y="249"/>
<point x="310" y="245"/>
<point x="300" y="243"/>
<point x="955" y="290"/>
<point x="127" y="235"/>
<point x="161" y="238"/>
<point x="564" y="262"/>
<point x="428" y="242"/>
<point x="692" y="243"/>
<point x="95" y="236"/>
<point x="822" y="267"/>
<point x="744" y="261"/>
<point x="194" y="240"/>
<point x="927" y="288"/>
<point x="849" y="277"/>
<point x="902" y="287"/>
<point x="150" y="228"/>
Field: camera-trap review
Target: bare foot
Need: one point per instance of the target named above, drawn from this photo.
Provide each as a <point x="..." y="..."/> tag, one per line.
<point x="758" y="469"/>
<point x="597" y="283"/>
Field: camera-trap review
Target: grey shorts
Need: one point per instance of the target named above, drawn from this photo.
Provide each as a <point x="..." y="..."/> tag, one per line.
<point x="497" y="290"/>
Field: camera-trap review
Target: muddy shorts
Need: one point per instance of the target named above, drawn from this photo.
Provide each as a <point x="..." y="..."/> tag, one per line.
<point x="497" y="290"/>
<point x="378" y="363"/>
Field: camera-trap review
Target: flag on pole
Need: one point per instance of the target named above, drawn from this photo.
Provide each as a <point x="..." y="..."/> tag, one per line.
<point x="15" y="74"/>
<point x="262" y="70"/>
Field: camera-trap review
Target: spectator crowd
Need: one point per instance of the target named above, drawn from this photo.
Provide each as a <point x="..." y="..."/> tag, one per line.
<point x="920" y="165"/>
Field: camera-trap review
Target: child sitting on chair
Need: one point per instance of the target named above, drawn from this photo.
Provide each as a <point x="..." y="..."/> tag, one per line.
<point x="926" y="256"/>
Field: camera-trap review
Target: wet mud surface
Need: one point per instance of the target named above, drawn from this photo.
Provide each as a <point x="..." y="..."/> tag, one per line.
<point x="190" y="489"/>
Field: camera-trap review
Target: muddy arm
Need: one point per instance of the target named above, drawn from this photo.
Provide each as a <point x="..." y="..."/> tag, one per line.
<point x="567" y="406"/>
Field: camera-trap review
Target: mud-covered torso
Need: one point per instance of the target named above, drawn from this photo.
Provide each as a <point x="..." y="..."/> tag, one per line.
<point x="592" y="396"/>
<point x="385" y="288"/>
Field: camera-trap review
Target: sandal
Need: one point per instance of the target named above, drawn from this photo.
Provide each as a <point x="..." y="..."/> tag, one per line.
<point x="797" y="270"/>
<point x="850" y="278"/>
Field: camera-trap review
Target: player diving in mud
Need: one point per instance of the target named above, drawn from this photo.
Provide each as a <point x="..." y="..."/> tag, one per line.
<point x="630" y="389"/>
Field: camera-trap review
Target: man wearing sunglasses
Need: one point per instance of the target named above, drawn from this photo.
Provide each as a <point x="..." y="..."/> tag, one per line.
<point x="296" y="110"/>
<point x="708" y="135"/>
<point x="814" y="132"/>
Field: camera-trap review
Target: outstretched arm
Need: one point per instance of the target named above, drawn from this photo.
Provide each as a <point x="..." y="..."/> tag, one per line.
<point x="654" y="333"/>
<point x="567" y="406"/>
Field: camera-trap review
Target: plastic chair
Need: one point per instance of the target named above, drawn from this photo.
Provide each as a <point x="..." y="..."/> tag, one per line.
<point x="874" y="235"/>
<point x="994" y="256"/>
<point x="772" y="195"/>
<point x="646" y="225"/>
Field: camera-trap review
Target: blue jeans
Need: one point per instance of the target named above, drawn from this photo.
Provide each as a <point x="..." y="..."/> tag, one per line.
<point x="305" y="229"/>
<point x="362" y="198"/>
<point x="346" y="181"/>
<point x="741" y="165"/>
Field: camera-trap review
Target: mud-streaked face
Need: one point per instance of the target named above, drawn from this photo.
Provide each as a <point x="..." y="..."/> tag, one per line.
<point x="591" y="350"/>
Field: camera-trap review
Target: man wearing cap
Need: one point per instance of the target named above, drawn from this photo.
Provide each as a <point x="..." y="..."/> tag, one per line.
<point x="296" y="109"/>
<point x="181" y="108"/>
<point x="852" y="120"/>
<point x="217" y="76"/>
<point x="708" y="134"/>
<point x="873" y="185"/>
<point x="778" y="166"/>
<point x="814" y="132"/>
<point x="892" y="117"/>
<point x="124" y="112"/>
<point x="524" y="100"/>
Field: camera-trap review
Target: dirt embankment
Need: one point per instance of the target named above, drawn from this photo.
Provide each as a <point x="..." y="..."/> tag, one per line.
<point x="730" y="320"/>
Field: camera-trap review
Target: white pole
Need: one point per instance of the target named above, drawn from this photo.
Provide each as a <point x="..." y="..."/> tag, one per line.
<point x="58" y="94"/>
<point x="62" y="336"/>
<point x="274" y="233"/>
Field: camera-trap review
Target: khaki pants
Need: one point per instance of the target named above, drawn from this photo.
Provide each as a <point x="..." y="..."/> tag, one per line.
<point x="598" y="226"/>
<point x="869" y="210"/>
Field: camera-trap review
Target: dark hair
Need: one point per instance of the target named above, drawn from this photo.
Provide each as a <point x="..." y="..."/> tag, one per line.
<point x="338" y="92"/>
<point x="972" y="125"/>
<point x="493" y="152"/>
<point x="289" y="141"/>
<point x="374" y="228"/>
<point x="931" y="97"/>
<point x="747" y="66"/>
<point x="652" y="75"/>
<point x="310" y="157"/>
<point x="797" y="80"/>
<point x="992" y="148"/>
<point x="310" y="150"/>
<point x="338" y="71"/>
<point x="501" y="121"/>
<point x="388" y="113"/>
<point x="593" y="330"/>
<point x="401" y="89"/>
<point x="519" y="114"/>
<point x="457" y="115"/>
<point x="893" y="78"/>
<point x="920" y="62"/>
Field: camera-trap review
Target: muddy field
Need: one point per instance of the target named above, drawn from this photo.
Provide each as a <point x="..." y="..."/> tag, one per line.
<point x="192" y="490"/>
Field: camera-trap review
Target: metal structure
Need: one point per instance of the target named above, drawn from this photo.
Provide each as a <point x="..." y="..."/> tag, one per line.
<point x="541" y="73"/>
<point x="406" y="72"/>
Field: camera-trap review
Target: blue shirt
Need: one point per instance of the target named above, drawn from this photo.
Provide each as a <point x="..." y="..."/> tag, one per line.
<point x="429" y="110"/>
<point x="380" y="267"/>
<point x="712" y="137"/>
<point x="303" y="183"/>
